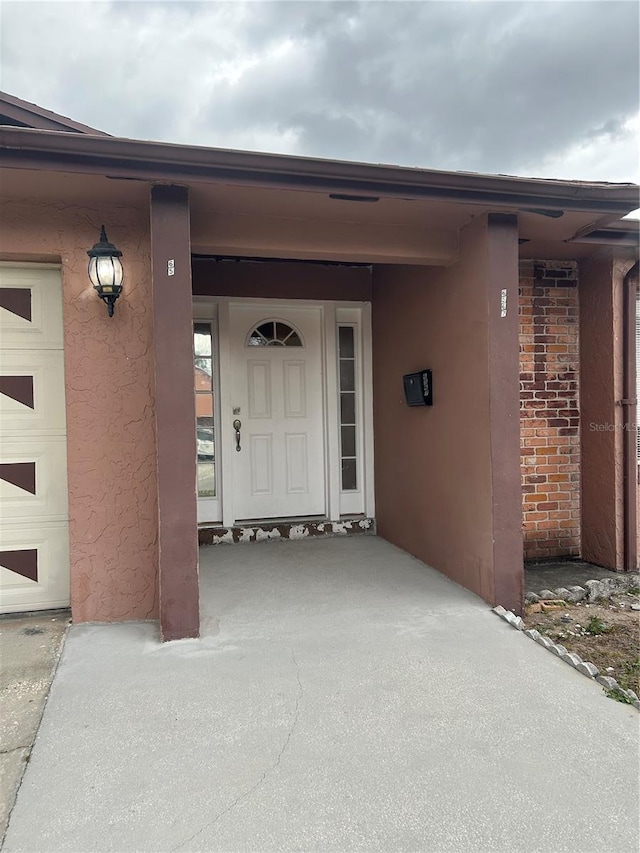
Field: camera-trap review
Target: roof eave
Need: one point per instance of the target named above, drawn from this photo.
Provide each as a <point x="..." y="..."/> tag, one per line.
<point x="165" y="162"/>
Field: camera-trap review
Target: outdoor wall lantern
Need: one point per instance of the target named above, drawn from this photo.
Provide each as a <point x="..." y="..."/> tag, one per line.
<point x="105" y="270"/>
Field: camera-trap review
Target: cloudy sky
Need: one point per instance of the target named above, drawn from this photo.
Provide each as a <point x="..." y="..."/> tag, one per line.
<point x="545" y="88"/>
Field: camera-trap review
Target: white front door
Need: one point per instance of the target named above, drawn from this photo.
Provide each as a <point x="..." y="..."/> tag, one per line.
<point x="34" y="519"/>
<point x="277" y="406"/>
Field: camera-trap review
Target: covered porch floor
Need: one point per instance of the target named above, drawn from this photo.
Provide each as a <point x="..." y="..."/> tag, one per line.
<point x="344" y="696"/>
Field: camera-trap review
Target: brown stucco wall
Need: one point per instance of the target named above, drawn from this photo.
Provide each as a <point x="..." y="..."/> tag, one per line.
<point x="109" y="401"/>
<point x="601" y="431"/>
<point x="549" y="408"/>
<point x="433" y="466"/>
<point x="281" y="280"/>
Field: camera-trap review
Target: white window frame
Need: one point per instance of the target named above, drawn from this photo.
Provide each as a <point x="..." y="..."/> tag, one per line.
<point x="210" y="509"/>
<point x="337" y="503"/>
<point x="357" y="501"/>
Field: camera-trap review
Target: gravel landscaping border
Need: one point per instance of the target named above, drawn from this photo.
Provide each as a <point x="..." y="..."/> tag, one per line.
<point x="592" y="591"/>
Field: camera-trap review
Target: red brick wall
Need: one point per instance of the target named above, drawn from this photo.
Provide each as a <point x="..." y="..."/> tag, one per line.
<point x="549" y="408"/>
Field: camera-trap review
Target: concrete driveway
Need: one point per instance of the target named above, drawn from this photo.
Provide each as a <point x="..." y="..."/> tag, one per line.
<point x="346" y="697"/>
<point x="29" y="651"/>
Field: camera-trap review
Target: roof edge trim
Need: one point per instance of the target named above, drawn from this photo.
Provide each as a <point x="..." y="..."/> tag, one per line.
<point x="37" y="118"/>
<point x="167" y="162"/>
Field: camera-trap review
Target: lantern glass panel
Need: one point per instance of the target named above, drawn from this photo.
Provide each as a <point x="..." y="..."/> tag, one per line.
<point x="93" y="275"/>
<point x="106" y="273"/>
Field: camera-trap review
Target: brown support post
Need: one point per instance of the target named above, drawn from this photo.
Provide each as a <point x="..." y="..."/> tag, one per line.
<point x="504" y="411"/>
<point x="630" y="403"/>
<point x="175" y="412"/>
<point x="600" y="418"/>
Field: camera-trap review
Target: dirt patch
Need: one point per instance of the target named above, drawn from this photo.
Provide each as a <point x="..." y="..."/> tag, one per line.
<point x="607" y="634"/>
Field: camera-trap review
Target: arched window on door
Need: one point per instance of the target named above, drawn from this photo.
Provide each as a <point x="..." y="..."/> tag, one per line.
<point x="274" y="333"/>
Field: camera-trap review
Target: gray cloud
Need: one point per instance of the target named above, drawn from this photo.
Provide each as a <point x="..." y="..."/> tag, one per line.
<point x="524" y="88"/>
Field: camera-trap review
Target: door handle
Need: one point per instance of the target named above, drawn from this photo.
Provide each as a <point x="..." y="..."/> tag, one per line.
<point x="237" y="426"/>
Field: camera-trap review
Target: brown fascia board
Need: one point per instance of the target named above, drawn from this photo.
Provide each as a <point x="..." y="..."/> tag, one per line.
<point x="35" y="117"/>
<point x="160" y="162"/>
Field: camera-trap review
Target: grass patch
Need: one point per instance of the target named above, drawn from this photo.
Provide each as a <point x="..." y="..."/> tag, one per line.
<point x="595" y="626"/>
<point x="629" y="674"/>
<point x="619" y="695"/>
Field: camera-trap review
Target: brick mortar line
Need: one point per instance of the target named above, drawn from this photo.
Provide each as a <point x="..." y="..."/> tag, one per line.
<point x="552" y="523"/>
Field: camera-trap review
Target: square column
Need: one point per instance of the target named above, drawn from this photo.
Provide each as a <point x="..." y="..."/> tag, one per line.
<point x="504" y="409"/>
<point x="175" y="416"/>
<point x="604" y="421"/>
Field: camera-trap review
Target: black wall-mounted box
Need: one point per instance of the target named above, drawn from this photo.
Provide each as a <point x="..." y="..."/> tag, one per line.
<point x="418" y="388"/>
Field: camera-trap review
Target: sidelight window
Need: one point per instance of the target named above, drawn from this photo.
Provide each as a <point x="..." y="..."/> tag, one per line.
<point x="204" y="390"/>
<point x="348" y="408"/>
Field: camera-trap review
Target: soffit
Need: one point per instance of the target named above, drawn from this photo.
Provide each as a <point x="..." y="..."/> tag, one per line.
<point x="71" y="188"/>
<point x="545" y="236"/>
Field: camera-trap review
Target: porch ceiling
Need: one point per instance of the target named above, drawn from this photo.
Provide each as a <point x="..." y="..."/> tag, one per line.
<point x="282" y="222"/>
<point x="245" y="220"/>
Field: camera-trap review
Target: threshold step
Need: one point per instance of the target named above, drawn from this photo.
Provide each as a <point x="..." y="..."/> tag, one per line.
<point x="295" y="529"/>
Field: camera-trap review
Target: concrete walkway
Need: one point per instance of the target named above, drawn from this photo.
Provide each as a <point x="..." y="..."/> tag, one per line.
<point x="346" y="698"/>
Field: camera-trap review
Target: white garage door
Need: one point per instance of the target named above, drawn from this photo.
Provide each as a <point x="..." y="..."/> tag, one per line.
<point x="34" y="520"/>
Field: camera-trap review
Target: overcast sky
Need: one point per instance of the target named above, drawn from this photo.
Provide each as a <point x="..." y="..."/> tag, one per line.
<point x="545" y="88"/>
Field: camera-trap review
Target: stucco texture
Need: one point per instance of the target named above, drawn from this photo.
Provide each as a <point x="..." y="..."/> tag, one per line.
<point x="602" y="420"/>
<point x="109" y="403"/>
<point x="433" y="465"/>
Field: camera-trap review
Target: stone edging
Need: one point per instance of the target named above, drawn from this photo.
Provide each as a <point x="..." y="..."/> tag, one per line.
<point x="574" y="660"/>
<point x="593" y="590"/>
